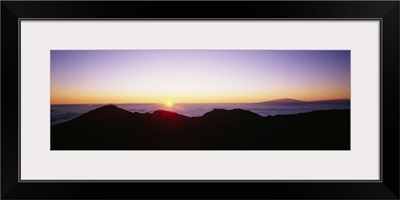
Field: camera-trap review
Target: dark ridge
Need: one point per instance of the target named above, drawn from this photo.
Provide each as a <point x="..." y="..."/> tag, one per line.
<point x="168" y="115"/>
<point x="113" y="128"/>
<point x="103" y="113"/>
<point x="231" y="114"/>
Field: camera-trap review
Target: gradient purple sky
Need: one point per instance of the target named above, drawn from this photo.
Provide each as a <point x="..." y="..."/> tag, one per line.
<point x="197" y="76"/>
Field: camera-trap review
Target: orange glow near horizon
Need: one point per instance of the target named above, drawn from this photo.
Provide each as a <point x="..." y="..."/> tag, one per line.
<point x="80" y="96"/>
<point x="245" y="98"/>
<point x="197" y="76"/>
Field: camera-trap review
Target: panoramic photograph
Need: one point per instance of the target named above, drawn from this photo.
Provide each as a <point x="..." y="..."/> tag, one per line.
<point x="200" y="99"/>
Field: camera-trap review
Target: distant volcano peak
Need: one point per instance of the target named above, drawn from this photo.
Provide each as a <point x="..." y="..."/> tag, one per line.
<point x="284" y="100"/>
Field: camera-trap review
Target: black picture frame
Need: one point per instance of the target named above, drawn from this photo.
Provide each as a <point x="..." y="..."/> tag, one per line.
<point x="386" y="11"/>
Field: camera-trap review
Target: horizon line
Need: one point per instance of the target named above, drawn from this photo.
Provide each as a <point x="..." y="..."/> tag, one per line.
<point x="344" y="99"/>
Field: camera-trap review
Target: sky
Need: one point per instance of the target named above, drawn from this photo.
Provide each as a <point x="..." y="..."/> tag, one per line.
<point x="197" y="76"/>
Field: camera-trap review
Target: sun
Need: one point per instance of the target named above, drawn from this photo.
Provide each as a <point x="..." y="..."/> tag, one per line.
<point x="169" y="104"/>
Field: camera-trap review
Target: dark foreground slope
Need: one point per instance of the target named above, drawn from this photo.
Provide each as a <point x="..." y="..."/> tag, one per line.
<point x="112" y="128"/>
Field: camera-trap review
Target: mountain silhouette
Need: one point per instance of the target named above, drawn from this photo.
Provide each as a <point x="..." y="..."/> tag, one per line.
<point x="168" y="115"/>
<point x="112" y="128"/>
<point x="295" y="101"/>
<point x="332" y="101"/>
<point x="235" y="114"/>
<point x="285" y="100"/>
<point x="103" y="113"/>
